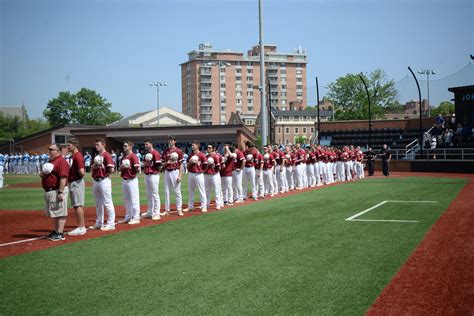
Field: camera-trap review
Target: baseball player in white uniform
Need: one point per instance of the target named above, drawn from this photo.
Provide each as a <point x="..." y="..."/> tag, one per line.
<point x="227" y="167"/>
<point x="129" y="168"/>
<point x="251" y="161"/>
<point x="212" y="177"/>
<point x="197" y="163"/>
<point x="172" y="157"/>
<point x="102" y="168"/>
<point x="237" y="174"/>
<point x="152" y="167"/>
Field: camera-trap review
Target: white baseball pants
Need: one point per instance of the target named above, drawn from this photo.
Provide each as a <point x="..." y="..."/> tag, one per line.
<point x="213" y="181"/>
<point x="226" y="184"/>
<point x="152" y="183"/>
<point x="196" y="181"/>
<point x="131" y="199"/>
<point x="237" y="185"/>
<point x="171" y="183"/>
<point x="249" y="176"/>
<point x="102" y="190"/>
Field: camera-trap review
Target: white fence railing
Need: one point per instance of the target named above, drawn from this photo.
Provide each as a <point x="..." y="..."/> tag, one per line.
<point x="438" y="153"/>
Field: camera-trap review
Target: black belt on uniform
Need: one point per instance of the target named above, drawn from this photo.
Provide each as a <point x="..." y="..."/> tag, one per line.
<point x="98" y="179"/>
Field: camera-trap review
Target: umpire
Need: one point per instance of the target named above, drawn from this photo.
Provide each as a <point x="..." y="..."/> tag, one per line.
<point x="386" y="156"/>
<point x="370" y="156"/>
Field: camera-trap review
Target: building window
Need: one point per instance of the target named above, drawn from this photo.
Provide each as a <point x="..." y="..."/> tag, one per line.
<point x="299" y="79"/>
<point x="249" y="101"/>
<point x="299" y="86"/>
<point x="283" y="86"/>
<point x="304" y="130"/>
<point x="238" y="101"/>
<point x="238" y="78"/>
<point x="249" y="78"/>
<point x="249" y="93"/>
<point x="238" y="93"/>
<point x="222" y="85"/>
<point x="312" y="130"/>
<point x="287" y="130"/>
<point x="299" y="94"/>
<point x="279" y="130"/>
<point x="299" y="72"/>
<point x="283" y="71"/>
<point x="296" y="130"/>
<point x="60" y="139"/>
<point x="238" y="86"/>
<point x="249" y="86"/>
<point x="250" y="108"/>
<point x="239" y="71"/>
<point x="222" y="78"/>
<point x="249" y="71"/>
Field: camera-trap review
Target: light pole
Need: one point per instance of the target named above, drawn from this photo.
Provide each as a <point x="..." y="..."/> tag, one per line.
<point x="427" y="72"/>
<point x="158" y="84"/>
<point x="263" y="112"/>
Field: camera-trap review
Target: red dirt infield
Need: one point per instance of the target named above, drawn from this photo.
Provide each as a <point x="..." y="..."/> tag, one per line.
<point x="437" y="279"/>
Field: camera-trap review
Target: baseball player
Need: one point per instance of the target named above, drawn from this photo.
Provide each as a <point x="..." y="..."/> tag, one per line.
<point x="289" y="157"/>
<point x="212" y="177"/>
<point x="2" y="166"/>
<point x="310" y="161"/>
<point x="259" y="176"/>
<point x="268" y="167"/>
<point x="54" y="181"/>
<point x="129" y="167"/>
<point x="227" y="167"/>
<point x="102" y="168"/>
<point x="87" y="161"/>
<point x="77" y="186"/>
<point x="172" y="157"/>
<point x="251" y="160"/>
<point x="197" y="163"/>
<point x="300" y="166"/>
<point x="237" y="174"/>
<point x="152" y="168"/>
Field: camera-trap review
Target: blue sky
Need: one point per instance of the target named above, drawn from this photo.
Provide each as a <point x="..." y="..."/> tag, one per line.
<point x="118" y="47"/>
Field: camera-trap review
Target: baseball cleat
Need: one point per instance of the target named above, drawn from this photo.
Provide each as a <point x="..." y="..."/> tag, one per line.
<point x="78" y="231"/>
<point x="96" y="226"/>
<point x="134" y="222"/>
<point x="107" y="228"/>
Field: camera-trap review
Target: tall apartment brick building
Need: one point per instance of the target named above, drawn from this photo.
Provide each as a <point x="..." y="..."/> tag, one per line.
<point x="217" y="83"/>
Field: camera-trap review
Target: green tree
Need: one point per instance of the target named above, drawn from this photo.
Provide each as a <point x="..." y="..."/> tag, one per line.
<point x="444" y="108"/>
<point x="86" y="107"/>
<point x="350" y="98"/>
<point x="61" y="110"/>
<point x="14" y="127"/>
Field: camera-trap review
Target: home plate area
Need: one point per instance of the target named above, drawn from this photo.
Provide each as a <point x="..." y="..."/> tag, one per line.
<point x="394" y="211"/>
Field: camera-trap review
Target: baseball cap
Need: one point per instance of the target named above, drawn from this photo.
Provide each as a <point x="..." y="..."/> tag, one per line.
<point x="171" y="137"/>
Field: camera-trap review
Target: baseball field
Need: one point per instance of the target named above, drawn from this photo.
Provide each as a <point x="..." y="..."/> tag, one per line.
<point x="326" y="251"/>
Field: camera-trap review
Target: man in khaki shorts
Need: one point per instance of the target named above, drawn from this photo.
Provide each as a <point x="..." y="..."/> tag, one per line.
<point x="76" y="185"/>
<point x="54" y="181"/>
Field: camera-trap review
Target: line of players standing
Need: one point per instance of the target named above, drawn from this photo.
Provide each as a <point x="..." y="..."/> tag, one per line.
<point x="24" y="163"/>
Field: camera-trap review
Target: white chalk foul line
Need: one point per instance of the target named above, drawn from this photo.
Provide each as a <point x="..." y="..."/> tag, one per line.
<point x="353" y="218"/>
<point x="21" y="241"/>
<point x="44" y="237"/>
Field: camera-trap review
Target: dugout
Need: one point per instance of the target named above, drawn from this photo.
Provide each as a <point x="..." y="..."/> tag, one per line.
<point x="464" y="105"/>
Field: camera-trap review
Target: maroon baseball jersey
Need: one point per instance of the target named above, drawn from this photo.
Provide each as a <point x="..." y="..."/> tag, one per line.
<point x="77" y="163"/>
<point x="60" y="170"/>
<point x="214" y="168"/>
<point x="268" y="163"/>
<point x="130" y="173"/>
<point x="252" y="162"/>
<point x="238" y="160"/>
<point x="170" y="166"/>
<point x="289" y="159"/>
<point x="227" y="166"/>
<point x="200" y="165"/>
<point x="154" y="164"/>
<point x="103" y="170"/>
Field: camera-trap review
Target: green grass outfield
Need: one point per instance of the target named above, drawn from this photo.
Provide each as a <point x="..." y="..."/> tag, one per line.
<point x="292" y="255"/>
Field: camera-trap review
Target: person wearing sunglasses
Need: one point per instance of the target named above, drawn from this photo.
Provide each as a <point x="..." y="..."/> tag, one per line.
<point x="54" y="181"/>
